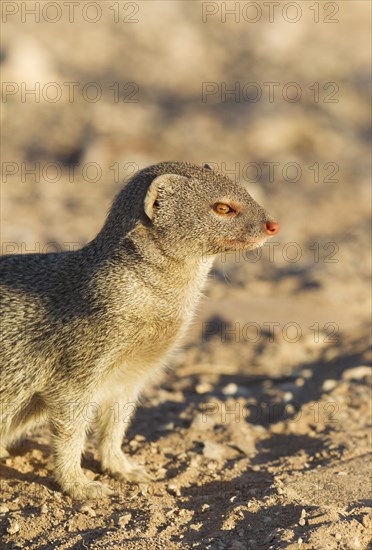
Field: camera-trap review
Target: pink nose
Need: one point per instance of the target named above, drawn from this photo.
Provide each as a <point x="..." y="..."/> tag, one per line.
<point x="271" y="228"/>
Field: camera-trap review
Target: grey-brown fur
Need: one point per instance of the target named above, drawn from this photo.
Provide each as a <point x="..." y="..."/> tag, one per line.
<point x="97" y="325"/>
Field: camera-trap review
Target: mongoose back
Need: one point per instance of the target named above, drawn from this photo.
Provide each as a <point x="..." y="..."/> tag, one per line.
<point x="95" y="326"/>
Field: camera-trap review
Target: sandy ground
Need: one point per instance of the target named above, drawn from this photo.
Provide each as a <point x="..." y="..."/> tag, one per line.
<point x="259" y="434"/>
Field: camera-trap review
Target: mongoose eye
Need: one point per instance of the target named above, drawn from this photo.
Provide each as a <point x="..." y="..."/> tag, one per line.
<point x="223" y="209"/>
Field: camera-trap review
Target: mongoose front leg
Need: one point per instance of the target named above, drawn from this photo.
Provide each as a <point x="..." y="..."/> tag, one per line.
<point x="69" y="430"/>
<point x="114" y="421"/>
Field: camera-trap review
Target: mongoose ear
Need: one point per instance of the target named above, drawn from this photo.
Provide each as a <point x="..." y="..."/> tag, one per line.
<point x="166" y="182"/>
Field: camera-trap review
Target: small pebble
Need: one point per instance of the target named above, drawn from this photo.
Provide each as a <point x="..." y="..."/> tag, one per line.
<point x="36" y="453"/>
<point x="290" y="409"/>
<point x="161" y="473"/>
<point x="331" y="353"/>
<point x="124" y="519"/>
<point x="173" y="489"/>
<point x="44" y="509"/>
<point x="329" y="385"/>
<point x="13" y="527"/>
<point x="70" y="526"/>
<point x="258" y="429"/>
<point x="168" y="427"/>
<point x="338" y="536"/>
<point x="230" y="389"/>
<point x="306" y="373"/>
<point x="213" y="450"/>
<point x="85" y="509"/>
<point x="357" y="373"/>
<point x="203" y="388"/>
<point x="302" y="522"/>
<point x="3" y="509"/>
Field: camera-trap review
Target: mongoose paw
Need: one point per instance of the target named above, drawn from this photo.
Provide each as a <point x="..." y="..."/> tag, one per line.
<point x="139" y="474"/>
<point x="127" y="470"/>
<point x="87" y="490"/>
<point x="136" y="475"/>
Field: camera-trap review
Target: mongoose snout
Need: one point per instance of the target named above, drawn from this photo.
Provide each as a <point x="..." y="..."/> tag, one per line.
<point x="97" y="325"/>
<point x="272" y="228"/>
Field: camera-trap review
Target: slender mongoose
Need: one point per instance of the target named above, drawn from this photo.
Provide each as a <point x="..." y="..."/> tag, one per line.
<point x="93" y="327"/>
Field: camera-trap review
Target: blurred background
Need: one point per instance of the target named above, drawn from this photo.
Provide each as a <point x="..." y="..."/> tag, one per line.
<point x="276" y="94"/>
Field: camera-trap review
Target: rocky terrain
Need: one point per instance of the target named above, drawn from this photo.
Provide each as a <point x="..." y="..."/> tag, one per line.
<point x="259" y="434"/>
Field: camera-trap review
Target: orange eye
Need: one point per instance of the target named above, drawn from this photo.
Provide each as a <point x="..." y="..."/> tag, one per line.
<point x="223" y="209"/>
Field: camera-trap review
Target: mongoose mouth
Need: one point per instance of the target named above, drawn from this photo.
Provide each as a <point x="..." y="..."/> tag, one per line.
<point x="270" y="228"/>
<point x="238" y="244"/>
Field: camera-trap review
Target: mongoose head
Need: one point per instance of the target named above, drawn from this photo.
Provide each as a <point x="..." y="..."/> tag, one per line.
<point x="194" y="209"/>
